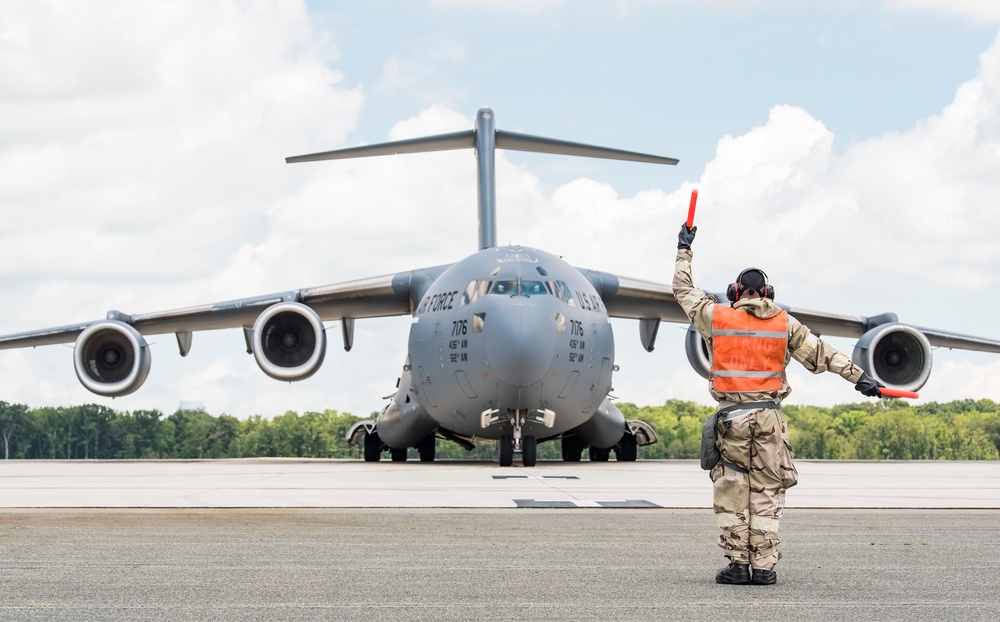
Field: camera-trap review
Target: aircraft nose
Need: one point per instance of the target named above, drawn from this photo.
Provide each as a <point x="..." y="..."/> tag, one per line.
<point x="520" y="344"/>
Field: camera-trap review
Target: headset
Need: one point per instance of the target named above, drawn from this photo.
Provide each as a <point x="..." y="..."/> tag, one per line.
<point x="737" y="288"/>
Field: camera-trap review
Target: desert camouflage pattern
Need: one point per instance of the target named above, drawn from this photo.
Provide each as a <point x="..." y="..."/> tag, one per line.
<point x="812" y="352"/>
<point x="748" y="506"/>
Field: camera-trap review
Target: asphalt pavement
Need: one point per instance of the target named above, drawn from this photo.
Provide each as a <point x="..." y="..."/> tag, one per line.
<point x="582" y="561"/>
<point x="485" y="564"/>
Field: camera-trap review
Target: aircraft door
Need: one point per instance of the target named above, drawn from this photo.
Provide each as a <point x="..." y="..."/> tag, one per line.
<point x="601" y="386"/>
<point x="425" y="386"/>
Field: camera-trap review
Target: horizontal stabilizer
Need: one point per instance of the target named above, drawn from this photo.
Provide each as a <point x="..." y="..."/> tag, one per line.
<point x="440" y="142"/>
<point x="467" y="140"/>
<point x="538" y="144"/>
<point x="485" y="140"/>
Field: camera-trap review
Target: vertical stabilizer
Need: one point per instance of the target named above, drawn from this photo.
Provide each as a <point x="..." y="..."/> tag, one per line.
<point x="486" y="144"/>
<point x="485" y="139"/>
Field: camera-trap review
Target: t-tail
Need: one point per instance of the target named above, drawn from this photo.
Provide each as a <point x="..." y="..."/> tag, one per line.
<point x="485" y="139"/>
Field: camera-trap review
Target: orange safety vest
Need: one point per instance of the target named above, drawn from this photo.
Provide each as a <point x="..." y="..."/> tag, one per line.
<point x="748" y="353"/>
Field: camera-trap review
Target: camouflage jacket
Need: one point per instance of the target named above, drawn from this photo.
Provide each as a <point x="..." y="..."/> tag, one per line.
<point x="803" y="346"/>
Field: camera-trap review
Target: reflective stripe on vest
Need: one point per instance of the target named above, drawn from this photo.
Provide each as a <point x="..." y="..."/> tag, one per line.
<point x="748" y="353"/>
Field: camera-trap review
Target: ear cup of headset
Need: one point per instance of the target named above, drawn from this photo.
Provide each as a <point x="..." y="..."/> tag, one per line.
<point x="735" y="289"/>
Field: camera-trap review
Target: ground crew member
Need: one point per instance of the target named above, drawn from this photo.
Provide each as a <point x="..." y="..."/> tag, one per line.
<point x="751" y="343"/>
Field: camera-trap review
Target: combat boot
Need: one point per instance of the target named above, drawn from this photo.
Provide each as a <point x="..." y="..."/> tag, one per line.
<point x="734" y="574"/>
<point x="763" y="577"/>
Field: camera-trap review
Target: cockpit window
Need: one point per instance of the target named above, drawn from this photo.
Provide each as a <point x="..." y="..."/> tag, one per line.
<point x="533" y="288"/>
<point x="474" y="291"/>
<point x="516" y="287"/>
<point x="561" y="290"/>
<point x="504" y="287"/>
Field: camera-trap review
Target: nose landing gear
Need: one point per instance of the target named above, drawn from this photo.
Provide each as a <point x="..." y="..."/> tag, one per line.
<point x="526" y="445"/>
<point x="508" y="446"/>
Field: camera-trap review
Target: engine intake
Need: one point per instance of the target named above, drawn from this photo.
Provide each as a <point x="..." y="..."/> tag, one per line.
<point x="697" y="352"/>
<point x="896" y="355"/>
<point x="111" y="358"/>
<point x="289" y="341"/>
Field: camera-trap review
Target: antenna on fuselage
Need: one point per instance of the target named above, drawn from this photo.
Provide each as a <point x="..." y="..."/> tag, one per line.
<point x="485" y="139"/>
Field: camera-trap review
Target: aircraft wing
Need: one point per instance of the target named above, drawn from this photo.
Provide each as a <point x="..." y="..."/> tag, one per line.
<point x="647" y="300"/>
<point x="380" y="296"/>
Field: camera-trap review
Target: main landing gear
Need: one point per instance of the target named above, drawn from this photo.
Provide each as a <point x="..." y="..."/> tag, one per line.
<point x="373" y="449"/>
<point x="627" y="449"/>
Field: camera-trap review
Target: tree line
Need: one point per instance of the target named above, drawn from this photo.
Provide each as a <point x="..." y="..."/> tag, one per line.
<point x="884" y="430"/>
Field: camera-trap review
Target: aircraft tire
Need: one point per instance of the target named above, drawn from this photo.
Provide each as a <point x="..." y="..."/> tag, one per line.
<point x="426" y="448"/>
<point x="398" y="455"/>
<point x="572" y="448"/>
<point x="529" y="451"/>
<point x="627" y="450"/>
<point x="599" y="455"/>
<point x="373" y="447"/>
<point x="505" y="451"/>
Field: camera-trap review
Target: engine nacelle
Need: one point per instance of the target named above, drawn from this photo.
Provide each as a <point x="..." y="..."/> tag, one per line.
<point x="111" y="358"/>
<point x="289" y="341"/>
<point x="897" y="355"/>
<point x="697" y="352"/>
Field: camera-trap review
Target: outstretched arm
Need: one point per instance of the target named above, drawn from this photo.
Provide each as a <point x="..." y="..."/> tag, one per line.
<point x="818" y="356"/>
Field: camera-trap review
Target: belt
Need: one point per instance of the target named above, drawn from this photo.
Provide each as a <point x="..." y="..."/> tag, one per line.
<point x="736" y="411"/>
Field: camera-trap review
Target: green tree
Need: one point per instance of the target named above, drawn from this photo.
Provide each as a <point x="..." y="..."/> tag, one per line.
<point x="92" y="431"/>
<point x="141" y="434"/>
<point x="893" y="435"/>
<point x="13" y="418"/>
<point x="193" y="433"/>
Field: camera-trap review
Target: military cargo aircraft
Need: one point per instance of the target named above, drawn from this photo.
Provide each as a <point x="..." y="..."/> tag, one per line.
<point x="510" y="345"/>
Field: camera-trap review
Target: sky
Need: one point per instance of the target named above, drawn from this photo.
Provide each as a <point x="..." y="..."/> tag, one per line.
<point x="850" y="149"/>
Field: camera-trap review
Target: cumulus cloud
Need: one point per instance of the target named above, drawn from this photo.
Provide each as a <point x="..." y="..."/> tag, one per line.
<point x="143" y="147"/>
<point x="902" y="222"/>
<point x="144" y="160"/>
<point x="144" y="142"/>
<point x="979" y="10"/>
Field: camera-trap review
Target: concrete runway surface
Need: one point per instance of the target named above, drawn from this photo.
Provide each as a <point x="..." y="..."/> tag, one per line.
<point x="902" y="556"/>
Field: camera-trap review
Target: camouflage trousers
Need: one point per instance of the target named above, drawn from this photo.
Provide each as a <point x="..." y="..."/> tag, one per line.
<point x="748" y="505"/>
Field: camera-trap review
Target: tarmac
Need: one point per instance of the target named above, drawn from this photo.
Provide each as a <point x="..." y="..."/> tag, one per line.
<point x="274" y="539"/>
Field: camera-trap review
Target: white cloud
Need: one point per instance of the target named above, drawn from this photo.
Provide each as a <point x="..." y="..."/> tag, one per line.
<point x="902" y="222"/>
<point x="152" y="178"/>
<point x="156" y="162"/>
<point x="979" y="10"/>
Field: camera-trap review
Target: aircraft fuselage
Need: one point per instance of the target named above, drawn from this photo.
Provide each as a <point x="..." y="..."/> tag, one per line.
<point x="505" y="331"/>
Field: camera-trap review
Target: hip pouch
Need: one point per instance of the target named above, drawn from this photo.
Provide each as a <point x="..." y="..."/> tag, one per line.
<point x="709" y="436"/>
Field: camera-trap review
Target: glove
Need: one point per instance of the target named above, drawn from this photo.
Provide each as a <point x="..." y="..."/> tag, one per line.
<point x="686" y="236"/>
<point x="868" y="386"/>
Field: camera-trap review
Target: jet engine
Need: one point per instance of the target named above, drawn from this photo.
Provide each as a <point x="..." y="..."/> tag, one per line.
<point x="697" y="352"/>
<point x="111" y="358"/>
<point x="896" y="355"/>
<point x="289" y="341"/>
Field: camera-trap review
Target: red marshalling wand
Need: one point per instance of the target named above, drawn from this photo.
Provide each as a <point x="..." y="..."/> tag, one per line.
<point x="897" y="393"/>
<point x="694" y="200"/>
